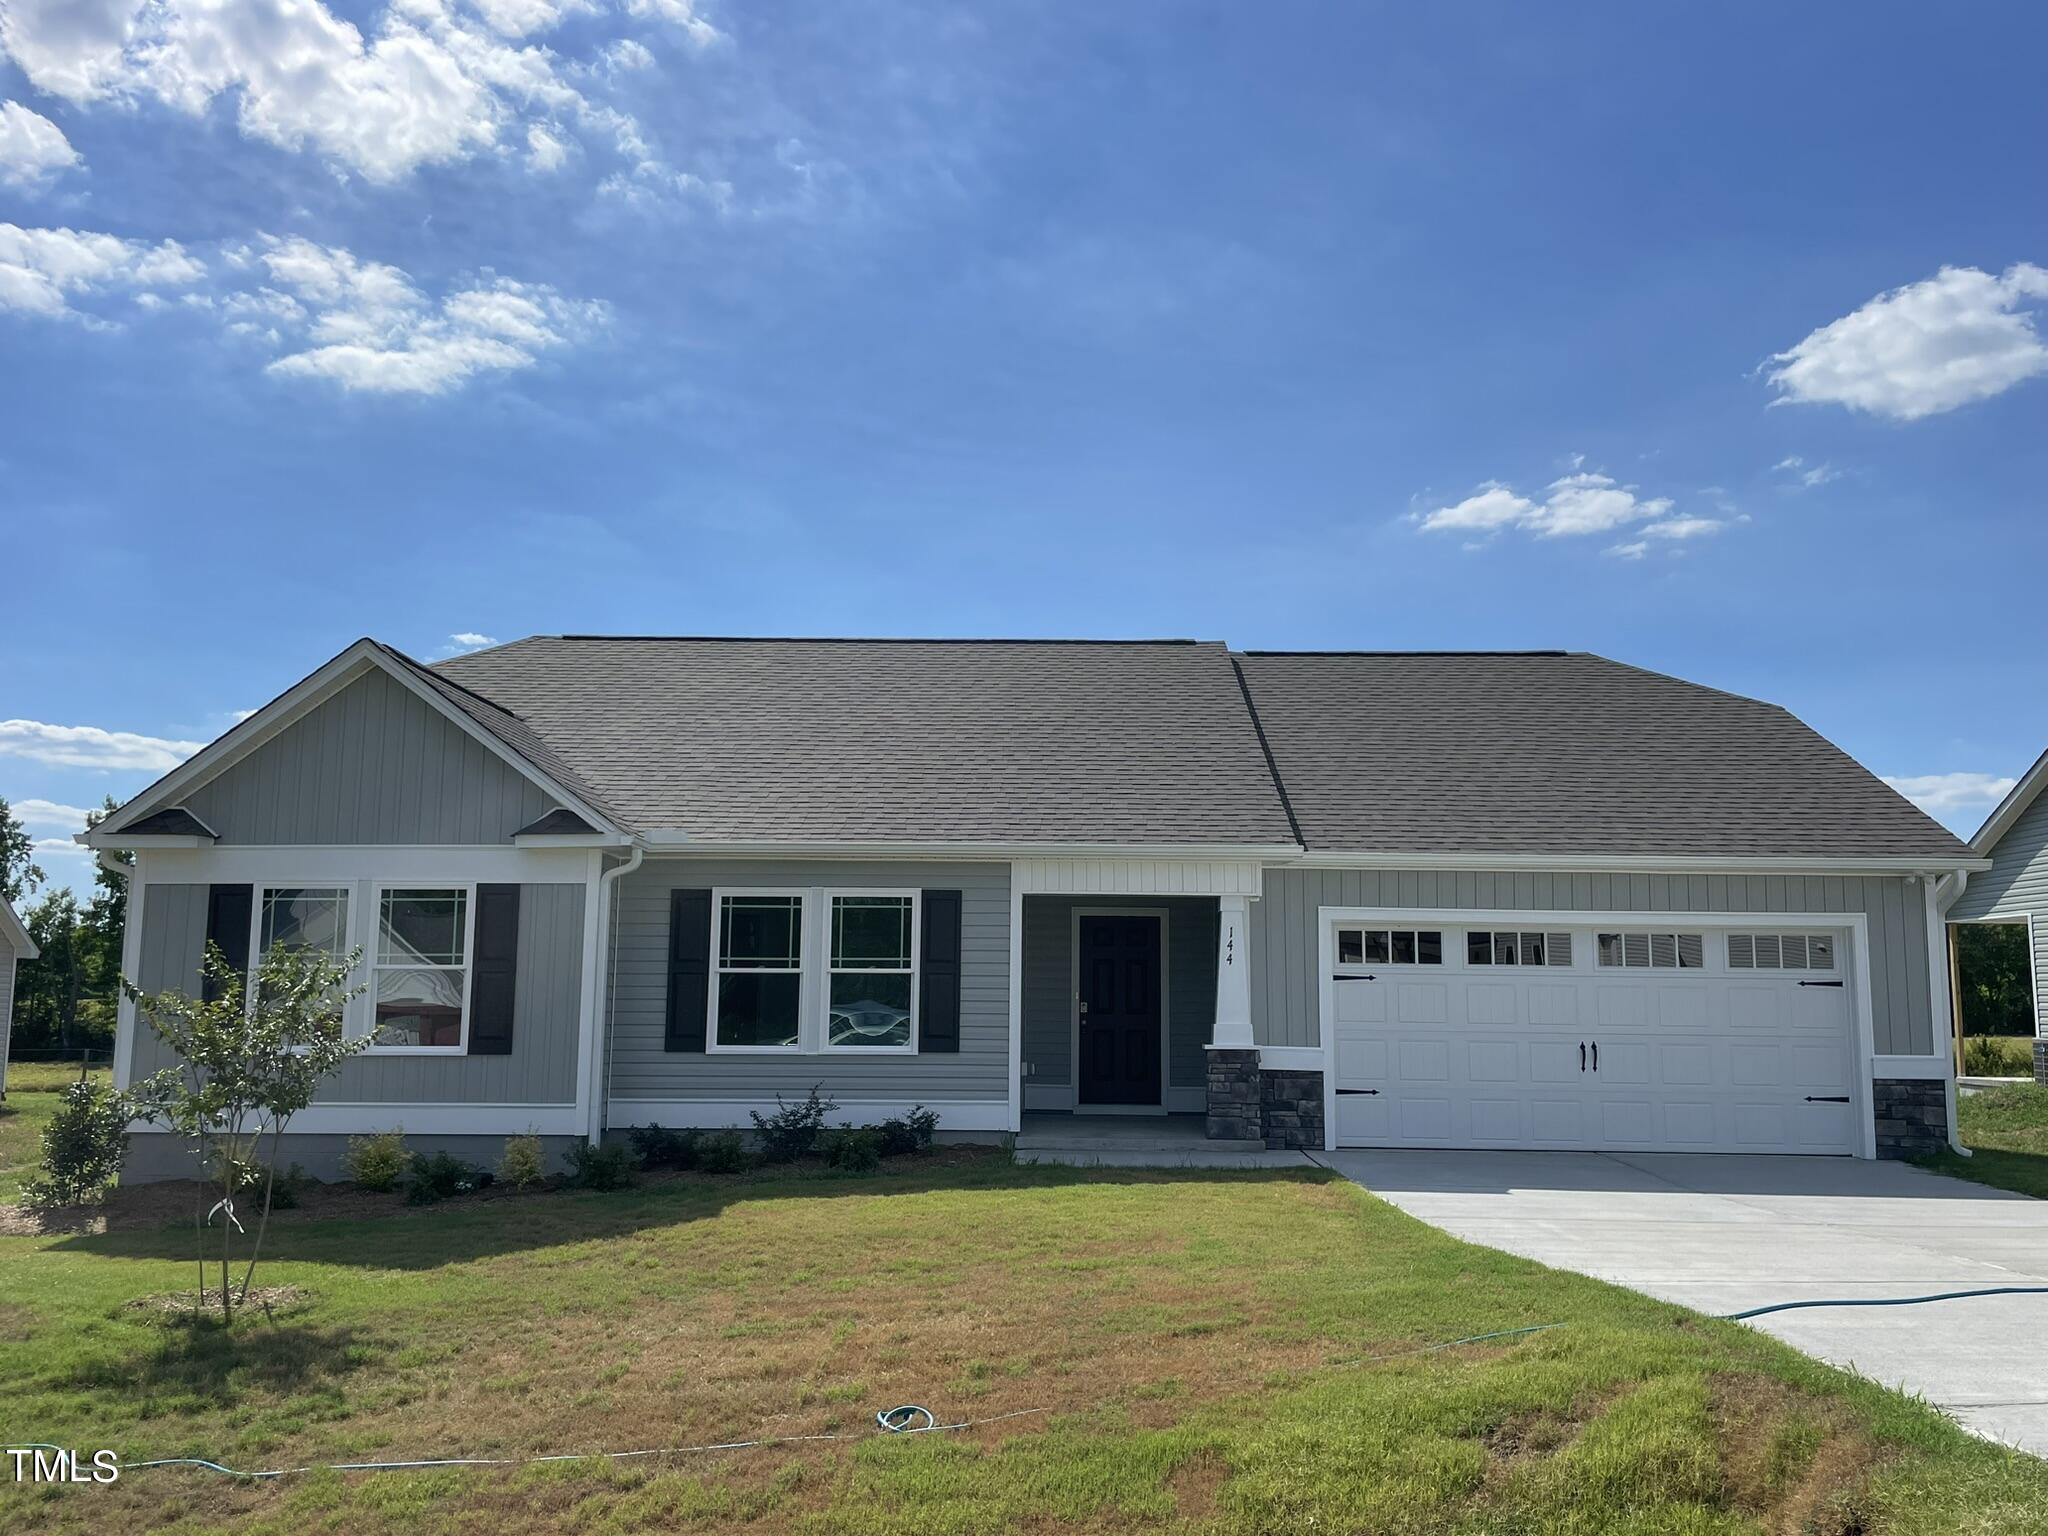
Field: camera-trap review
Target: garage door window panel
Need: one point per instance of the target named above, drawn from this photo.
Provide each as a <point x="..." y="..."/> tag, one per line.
<point x="1648" y="951"/>
<point x="1390" y="946"/>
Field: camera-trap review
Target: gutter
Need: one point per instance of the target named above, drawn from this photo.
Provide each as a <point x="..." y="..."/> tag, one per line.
<point x="599" y="1045"/>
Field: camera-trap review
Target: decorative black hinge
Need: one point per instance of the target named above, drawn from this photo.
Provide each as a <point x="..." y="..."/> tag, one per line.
<point x="1343" y="1091"/>
<point x="1827" y="1098"/>
<point x="1820" y="983"/>
<point x="1354" y="978"/>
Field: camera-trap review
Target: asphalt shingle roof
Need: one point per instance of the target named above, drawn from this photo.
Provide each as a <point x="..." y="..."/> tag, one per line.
<point x="1562" y="753"/>
<point x="1017" y="742"/>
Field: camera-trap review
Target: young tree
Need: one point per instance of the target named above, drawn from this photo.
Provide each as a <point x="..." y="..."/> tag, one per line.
<point x="247" y="1064"/>
<point x="19" y="872"/>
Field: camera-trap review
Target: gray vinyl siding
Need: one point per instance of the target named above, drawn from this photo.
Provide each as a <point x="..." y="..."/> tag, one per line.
<point x="374" y="764"/>
<point x="539" y="1070"/>
<point x="1049" y="981"/>
<point x="641" y="1070"/>
<point x="2016" y="885"/>
<point x="1284" y="929"/>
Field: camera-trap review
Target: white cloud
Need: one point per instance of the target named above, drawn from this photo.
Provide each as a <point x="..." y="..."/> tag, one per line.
<point x="42" y="815"/>
<point x="1931" y="346"/>
<point x="1492" y="506"/>
<point x="1940" y="794"/>
<point x="33" y="150"/>
<point x="88" y="746"/>
<point x="1808" y="475"/>
<point x="367" y="327"/>
<point x="1579" y="504"/>
<point x="41" y="269"/>
<point x="424" y="82"/>
<point x="470" y="640"/>
<point x="682" y="14"/>
<point x="545" y="152"/>
<point x="628" y="55"/>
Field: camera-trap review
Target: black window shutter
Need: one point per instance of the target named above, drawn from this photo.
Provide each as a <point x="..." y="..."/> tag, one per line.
<point x="939" y="983"/>
<point x="494" y="970"/>
<point x="227" y="928"/>
<point x="689" y="969"/>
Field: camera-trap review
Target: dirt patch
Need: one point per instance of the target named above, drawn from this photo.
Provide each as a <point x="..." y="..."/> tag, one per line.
<point x="1793" y="1462"/>
<point x="177" y="1306"/>
<point x="1195" y="1484"/>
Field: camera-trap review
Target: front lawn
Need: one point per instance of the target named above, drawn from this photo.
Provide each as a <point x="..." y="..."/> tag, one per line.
<point x="2006" y="1130"/>
<point x="1199" y="1349"/>
<point x="32" y="1089"/>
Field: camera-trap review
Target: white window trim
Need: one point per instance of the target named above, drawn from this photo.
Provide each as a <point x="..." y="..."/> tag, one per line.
<point x="828" y="895"/>
<point x="468" y="966"/>
<point x="814" y="971"/>
<point x="805" y="985"/>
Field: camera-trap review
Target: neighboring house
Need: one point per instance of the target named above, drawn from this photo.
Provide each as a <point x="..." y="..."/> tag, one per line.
<point x="1439" y="900"/>
<point x="2014" y="889"/>
<point x="15" y="946"/>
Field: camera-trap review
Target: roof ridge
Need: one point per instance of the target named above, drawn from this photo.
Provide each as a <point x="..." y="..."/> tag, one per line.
<point x="873" y="640"/>
<point x="1414" y="653"/>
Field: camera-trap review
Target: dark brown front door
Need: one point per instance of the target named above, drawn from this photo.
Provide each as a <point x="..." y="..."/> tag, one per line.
<point x="1120" y="1017"/>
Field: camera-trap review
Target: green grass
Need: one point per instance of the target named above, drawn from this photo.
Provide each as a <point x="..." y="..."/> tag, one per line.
<point x="1998" y="1056"/>
<point x="32" y="1088"/>
<point x="2006" y="1130"/>
<point x="1204" y="1347"/>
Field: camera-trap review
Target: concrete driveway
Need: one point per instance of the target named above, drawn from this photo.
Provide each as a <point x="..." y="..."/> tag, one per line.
<point x="1721" y="1234"/>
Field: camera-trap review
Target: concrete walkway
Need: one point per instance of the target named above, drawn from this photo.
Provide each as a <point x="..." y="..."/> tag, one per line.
<point x="1721" y="1234"/>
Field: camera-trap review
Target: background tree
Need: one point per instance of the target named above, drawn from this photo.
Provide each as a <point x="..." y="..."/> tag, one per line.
<point x="67" y="999"/>
<point x="1995" y="979"/>
<point x="19" y="872"/>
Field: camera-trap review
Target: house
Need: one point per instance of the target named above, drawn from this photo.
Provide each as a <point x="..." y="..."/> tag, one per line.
<point x="15" y="947"/>
<point x="2014" y="838"/>
<point x="1537" y="899"/>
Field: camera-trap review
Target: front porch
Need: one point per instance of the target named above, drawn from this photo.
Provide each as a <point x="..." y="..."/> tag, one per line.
<point x="1142" y="1141"/>
<point x="1133" y="1015"/>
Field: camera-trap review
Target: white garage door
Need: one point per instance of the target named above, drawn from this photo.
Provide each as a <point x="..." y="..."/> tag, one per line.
<point x="1647" y="1035"/>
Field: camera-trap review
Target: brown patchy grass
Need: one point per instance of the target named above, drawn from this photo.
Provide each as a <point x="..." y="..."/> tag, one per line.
<point x="1176" y="1338"/>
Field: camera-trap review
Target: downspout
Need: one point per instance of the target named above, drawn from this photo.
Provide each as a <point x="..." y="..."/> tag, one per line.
<point x="608" y="951"/>
<point x="1941" y="895"/>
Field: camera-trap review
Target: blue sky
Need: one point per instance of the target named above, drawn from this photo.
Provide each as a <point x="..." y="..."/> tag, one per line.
<point x="1709" y="340"/>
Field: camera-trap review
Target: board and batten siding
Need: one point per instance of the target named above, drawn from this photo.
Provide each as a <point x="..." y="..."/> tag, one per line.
<point x="373" y="764"/>
<point x="641" y="1070"/>
<point x="2016" y="885"/>
<point x="540" y="1069"/>
<point x="1048" y="991"/>
<point x="1284" y="927"/>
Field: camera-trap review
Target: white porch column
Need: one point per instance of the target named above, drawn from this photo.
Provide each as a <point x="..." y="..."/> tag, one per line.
<point x="1233" y="1029"/>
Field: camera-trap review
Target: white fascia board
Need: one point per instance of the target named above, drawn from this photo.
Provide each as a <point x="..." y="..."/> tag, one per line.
<point x="145" y="840"/>
<point x="286" y="710"/>
<point x="17" y="932"/>
<point x="572" y="840"/>
<point x="661" y="843"/>
<point x="2012" y="807"/>
<point x="1641" y="864"/>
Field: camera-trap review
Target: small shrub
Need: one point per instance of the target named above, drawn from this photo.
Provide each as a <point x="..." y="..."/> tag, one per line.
<point x="288" y="1190"/>
<point x="792" y="1131"/>
<point x="377" y="1162"/>
<point x="83" y="1146"/>
<point x="909" y="1133"/>
<point x="658" y="1147"/>
<point x="724" y="1152"/>
<point x="1998" y="1056"/>
<point x="523" y="1163"/>
<point x="854" y="1151"/>
<point x="439" y="1175"/>
<point x="601" y="1167"/>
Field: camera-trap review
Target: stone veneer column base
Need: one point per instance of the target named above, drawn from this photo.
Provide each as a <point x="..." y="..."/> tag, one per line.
<point x="1235" y="1112"/>
<point x="1293" y="1104"/>
<point x="1912" y="1115"/>
<point x="2041" y="1061"/>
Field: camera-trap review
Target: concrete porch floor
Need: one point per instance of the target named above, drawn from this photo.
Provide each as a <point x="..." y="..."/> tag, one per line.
<point x="1138" y="1141"/>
